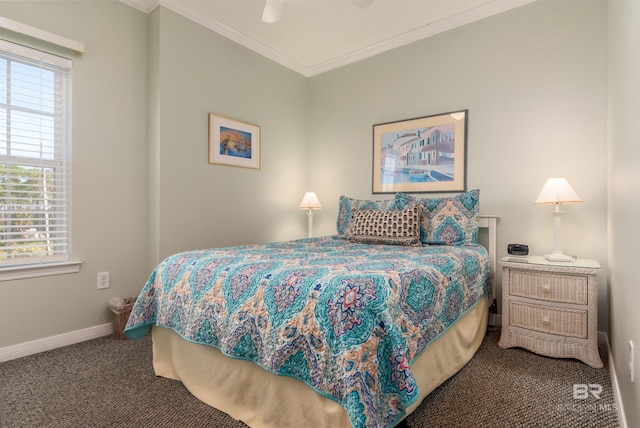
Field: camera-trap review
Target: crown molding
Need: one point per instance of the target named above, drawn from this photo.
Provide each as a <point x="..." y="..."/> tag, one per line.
<point x="145" y="6"/>
<point x="248" y="42"/>
<point x="481" y="12"/>
<point x="486" y="10"/>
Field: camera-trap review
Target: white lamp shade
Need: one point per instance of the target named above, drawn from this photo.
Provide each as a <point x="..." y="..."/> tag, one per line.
<point x="310" y="202"/>
<point x="557" y="191"/>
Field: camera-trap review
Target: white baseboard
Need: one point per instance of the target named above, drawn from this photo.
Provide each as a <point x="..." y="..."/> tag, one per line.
<point x="604" y="339"/>
<point x="53" y="342"/>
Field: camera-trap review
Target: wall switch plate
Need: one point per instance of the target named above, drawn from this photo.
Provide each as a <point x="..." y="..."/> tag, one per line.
<point x="631" y="359"/>
<point x="103" y="280"/>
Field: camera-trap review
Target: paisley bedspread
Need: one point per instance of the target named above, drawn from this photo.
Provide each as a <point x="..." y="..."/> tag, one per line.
<point x="347" y="319"/>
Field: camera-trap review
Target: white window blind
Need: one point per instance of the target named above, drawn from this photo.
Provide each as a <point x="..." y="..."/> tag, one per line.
<point x="34" y="156"/>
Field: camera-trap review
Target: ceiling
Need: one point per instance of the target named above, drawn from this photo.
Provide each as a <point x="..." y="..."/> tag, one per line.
<point x="314" y="36"/>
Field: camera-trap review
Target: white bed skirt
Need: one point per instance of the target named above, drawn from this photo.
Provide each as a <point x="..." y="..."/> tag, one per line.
<point x="261" y="399"/>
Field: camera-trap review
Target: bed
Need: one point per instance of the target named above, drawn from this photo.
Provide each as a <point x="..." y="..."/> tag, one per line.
<point x="347" y="330"/>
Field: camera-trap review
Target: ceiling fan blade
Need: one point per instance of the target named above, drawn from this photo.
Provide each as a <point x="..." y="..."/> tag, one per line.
<point x="362" y="3"/>
<point x="273" y="10"/>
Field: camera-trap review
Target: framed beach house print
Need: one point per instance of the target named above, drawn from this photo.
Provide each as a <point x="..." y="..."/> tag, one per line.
<point x="233" y="143"/>
<point x="425" y="154"/>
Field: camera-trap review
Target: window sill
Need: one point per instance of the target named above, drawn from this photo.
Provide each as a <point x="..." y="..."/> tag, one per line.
<point x="34" y="271"/>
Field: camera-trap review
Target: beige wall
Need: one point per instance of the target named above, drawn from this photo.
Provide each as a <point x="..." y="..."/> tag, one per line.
<point x="534" y="81"/>
<point x="109" y="164"/>
<point x="202" y="205"/>
<point x="142" y="186"/>
<point x="624" y="194"/>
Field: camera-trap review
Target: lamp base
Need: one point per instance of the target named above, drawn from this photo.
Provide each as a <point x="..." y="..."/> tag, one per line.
<point x="558" y="257"/>
<point x="310" y="223"/>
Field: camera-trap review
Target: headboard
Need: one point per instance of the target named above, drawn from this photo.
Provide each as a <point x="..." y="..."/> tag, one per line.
<point x="490" y="222"/>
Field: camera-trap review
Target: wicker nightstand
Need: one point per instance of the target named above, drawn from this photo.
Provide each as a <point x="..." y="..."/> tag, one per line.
<point x="551" y="308"/>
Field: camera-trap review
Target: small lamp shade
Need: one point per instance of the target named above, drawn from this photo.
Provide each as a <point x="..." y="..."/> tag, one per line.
<point x="310" y="202"/>
<point x="557" y="191"/>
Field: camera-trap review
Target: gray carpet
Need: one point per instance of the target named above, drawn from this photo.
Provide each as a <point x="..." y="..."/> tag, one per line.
<point x="110" y="383"/>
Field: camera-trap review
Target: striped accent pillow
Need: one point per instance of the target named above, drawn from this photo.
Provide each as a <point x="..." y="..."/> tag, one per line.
<point x="394" y="227"/>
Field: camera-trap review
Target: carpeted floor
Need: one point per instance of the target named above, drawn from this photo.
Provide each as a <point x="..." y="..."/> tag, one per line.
<point x="110" y="383"/>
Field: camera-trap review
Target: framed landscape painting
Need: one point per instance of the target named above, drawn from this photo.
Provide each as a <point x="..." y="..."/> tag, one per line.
<point x="425" y="154"/>
<point x="233" y="143"/>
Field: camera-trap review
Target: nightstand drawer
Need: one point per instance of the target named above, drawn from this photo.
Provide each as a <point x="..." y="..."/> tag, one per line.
<point x="551" y="307"/>
<point x="550" y="287"/>
<point x="561" y="321"/>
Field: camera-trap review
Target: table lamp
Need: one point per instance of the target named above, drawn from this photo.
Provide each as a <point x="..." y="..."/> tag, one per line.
<point x="310" y="202"/>
<point x="557" y="191"/>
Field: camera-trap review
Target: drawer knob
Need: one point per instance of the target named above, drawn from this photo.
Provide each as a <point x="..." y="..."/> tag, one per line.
<point x="546" y="288"/>
<point x="546" y="320"/>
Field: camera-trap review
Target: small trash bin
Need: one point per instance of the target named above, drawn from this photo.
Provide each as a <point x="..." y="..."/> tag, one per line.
<point x="120" y="311"/>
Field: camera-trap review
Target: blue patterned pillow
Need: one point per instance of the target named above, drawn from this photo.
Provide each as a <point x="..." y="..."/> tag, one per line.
<point x="346" y="207"/>
<point x="447" y="221"/>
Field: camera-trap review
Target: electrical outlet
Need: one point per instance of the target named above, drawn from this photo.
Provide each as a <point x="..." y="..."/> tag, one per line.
<point x="631" y="359"/>
<point x="103" y="280"/>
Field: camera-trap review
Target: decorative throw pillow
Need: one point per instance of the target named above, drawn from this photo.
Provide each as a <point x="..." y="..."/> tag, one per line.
<point x="346" y="206"/>
<point x="449" y="220"/>
<point x="394" y="227"/>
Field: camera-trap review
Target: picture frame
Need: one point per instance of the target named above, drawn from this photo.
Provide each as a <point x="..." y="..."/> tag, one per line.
<point x="233" y="143"/>
<point x="424" y="154"/>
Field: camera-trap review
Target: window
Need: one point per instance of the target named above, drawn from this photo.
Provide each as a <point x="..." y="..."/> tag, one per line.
<point x="34" y="156"/>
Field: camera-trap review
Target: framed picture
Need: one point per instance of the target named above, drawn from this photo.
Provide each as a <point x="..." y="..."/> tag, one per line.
<point x="233" y="143"/>
<point x="425" y="154"/>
